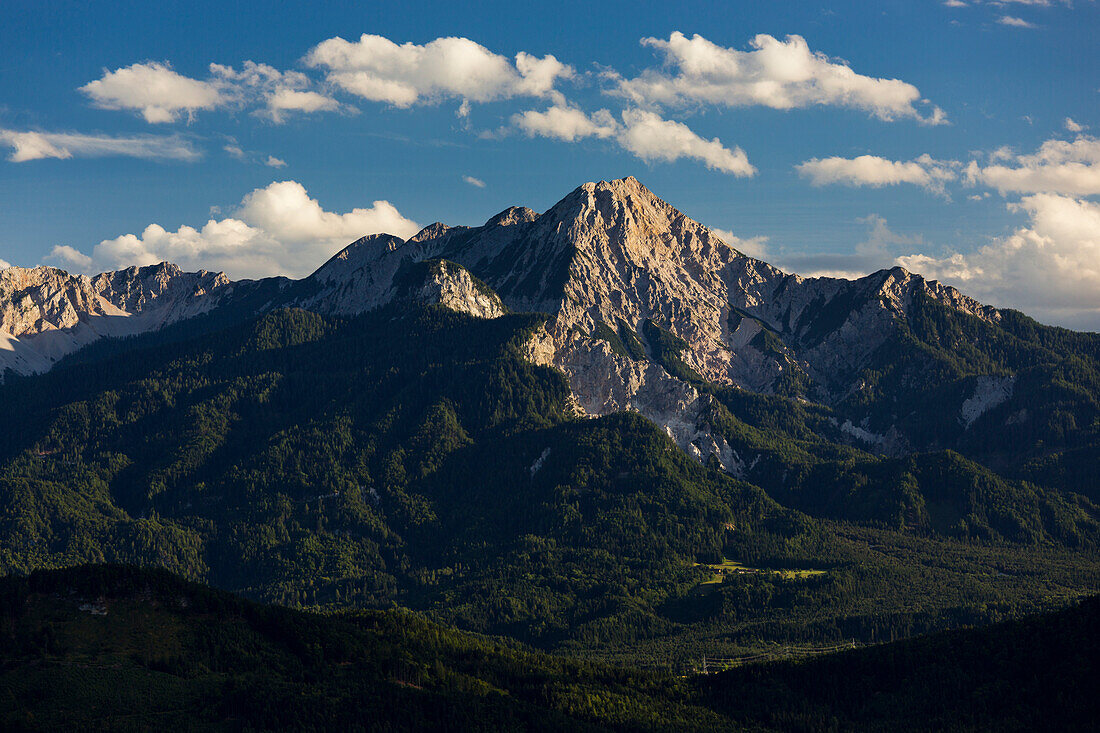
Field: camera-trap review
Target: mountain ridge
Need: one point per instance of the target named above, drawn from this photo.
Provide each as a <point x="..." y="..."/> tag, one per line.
<point x="63" y="302"/>
<point x="613" y="264"/>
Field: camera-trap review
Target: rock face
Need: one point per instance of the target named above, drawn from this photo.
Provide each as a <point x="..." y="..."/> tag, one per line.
<point x="380" y="269"/>
<point x="646" y="306"/>
<point x="46" y="313"/>
<point x="441" y="282"/>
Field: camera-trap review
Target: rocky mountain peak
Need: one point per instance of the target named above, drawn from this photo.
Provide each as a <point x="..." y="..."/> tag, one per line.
<point x="47" y="313"/>
<point x="33" y="300"/>
<point x="358" y="256"/>
<point x="432" y="231"/>
<point x="136" y="288"/>
<point x="513" y="215"/>
<point x="624" y="220"/>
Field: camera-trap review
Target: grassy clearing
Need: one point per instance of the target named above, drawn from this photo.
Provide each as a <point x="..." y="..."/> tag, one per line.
<point x="727" y="568"/>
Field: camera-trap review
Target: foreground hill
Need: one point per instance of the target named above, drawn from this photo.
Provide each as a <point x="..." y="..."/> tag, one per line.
<point x="124" y="649"/>
<point x="100" y="648"/>
<point x="1038" y="673"/>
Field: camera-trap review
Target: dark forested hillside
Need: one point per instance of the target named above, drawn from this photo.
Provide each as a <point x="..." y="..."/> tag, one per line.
<point x="415" y="456"/>
<point x="113" y="648"/>
<point x="1038" y="673"/>
<point x="1049" y="413"/>
<point x="121" y="648"/>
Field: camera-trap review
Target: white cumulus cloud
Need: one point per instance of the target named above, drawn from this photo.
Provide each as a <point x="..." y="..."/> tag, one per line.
<point x="161" y="94"/>
<point x="651" y="138"/>
<point x="34" y="145"/>
<point x="475" y="182"/>
<point x="1059" y="166"/>
<point x="156" y="91"/>
<point x="564" y="122"/>
<point x="380" y="70"/>
<point x="641" y="132"/>
<point x="291" y="100"/>
<point x="276" y="230"/>
<point x="783" y="74"/>
<point x="72" y="257"/>
<point x="871" y="170"/>
<point x="273" y="162"/>
<point x="1049" y="268"/>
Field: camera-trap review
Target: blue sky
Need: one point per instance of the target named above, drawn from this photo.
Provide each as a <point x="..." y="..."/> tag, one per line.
<point x="957" y="138"/>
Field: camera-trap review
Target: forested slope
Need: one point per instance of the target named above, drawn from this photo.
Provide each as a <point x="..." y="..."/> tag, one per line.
<point x="416" y="456"/>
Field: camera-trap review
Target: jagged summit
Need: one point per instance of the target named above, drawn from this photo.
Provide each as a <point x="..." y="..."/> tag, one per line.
<point x="613" y="263"/>
<point x="513" y="215"/>
<point x="432" y="231"/>
<point x="357" y="256"/>
<point x="47" y="313"/>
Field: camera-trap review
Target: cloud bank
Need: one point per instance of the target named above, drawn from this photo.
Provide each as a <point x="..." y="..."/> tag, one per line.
<point x="877" y="251"/>
<point x="1049" y="268"/>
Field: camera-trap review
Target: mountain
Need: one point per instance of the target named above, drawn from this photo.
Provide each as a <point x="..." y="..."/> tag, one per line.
<point x="653" y="312"/>
<point x="107" y="647"/>
<point x="600" y="430"/>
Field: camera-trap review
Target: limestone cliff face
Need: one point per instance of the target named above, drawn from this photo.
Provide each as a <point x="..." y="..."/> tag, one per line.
<point x="440" y="282"/>
<point x="46" y="313"/>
